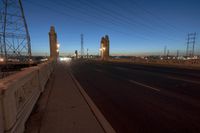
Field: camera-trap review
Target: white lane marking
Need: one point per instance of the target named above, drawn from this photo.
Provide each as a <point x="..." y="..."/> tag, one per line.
<point x="141" y="84"/>
<point x="122" y="68"/>
<point x="98" y="70"/>
<point x="98" y="64"/>
<point x="170" y="77"/>
<point x="181" y="79"/>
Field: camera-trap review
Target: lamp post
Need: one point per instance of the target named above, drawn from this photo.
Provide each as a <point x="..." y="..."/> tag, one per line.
<point x="87" y="53"/>
<point x="58" y="46"/>
<point x="57" y="49"/>
<point x="102" y="51"/>
<point x="1" y="59"/>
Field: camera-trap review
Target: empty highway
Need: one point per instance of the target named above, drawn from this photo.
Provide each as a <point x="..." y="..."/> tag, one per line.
<point x="143" y="99"/>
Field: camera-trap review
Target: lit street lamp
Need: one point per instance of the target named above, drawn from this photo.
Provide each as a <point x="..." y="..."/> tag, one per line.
<point x="57" y="49"/>
<point x="1" y="59"/>
<point x="102" y="51"/>
<point x="58" y="46"/>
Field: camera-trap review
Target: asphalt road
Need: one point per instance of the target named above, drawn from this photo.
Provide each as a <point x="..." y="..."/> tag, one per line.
<point x="143" y="99"/>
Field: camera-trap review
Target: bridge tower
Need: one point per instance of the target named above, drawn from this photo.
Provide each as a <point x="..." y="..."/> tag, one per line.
<point x="105" y="48"/>
<point x="15" y="41"/>
<point x="54" y="51"/>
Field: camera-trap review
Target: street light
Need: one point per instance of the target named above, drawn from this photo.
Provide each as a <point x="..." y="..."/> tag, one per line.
<point x="57" y="50"/>
<point x="1" y="59"/>
<point x="102" y="51"/>
<point x="58" y="45"/>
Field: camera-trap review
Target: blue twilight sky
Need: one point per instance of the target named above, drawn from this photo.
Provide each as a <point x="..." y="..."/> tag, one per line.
<point x="135" y="27"/>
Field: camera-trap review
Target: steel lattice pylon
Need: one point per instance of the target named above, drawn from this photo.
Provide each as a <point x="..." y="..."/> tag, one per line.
<point x="190" y="51"/>
<point x="14" y="36"/>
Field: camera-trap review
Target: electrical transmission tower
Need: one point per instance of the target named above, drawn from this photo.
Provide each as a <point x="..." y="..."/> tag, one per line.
<point x="82" y="47"/>
<point x="165" y="50"/>
<point x="191" y="44"/>
<point x="14" y="35"/>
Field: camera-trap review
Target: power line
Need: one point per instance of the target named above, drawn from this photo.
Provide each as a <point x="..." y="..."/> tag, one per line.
<point x="125" y="19"/>
<point x="107" y="20"/>
<point x="155" y="16"/>
<point x="83" y="20"/>
<point x="115" y="19"/>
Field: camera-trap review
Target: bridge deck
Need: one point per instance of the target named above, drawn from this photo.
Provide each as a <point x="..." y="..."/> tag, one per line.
<point x="62" y="108"/>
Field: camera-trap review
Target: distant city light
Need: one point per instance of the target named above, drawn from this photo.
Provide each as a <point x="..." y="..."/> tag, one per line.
<point x="45" y="59"/>
<point x="65" y="59"/>
<point x="1" y="59"/>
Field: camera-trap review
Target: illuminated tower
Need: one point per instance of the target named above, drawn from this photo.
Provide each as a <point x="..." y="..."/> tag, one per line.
<point x="54" y="52"/>
<point x="105" y="47"/>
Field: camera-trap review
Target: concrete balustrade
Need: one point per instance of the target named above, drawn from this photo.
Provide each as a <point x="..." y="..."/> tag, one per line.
<point x="45" y="70"/>
<point x="18" y="95"/>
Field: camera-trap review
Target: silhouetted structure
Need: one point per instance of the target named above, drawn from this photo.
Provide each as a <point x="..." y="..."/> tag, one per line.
<point x="15" y="42"/>
<point x="82" y="47"/>
<point x="105" y="47"/>
<point x="191" y="44"/>
<point x="76" y="54"/>
<point x="165" y="50"/>
<point x="54" y="53"/>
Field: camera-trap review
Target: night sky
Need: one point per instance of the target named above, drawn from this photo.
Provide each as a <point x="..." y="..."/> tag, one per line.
<point x="135" y="27"/>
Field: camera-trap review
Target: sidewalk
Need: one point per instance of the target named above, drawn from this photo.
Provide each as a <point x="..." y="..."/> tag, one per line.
<point x="62" y="108"/>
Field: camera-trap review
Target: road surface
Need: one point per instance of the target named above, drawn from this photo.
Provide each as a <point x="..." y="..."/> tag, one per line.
<point x="143" y="99"/>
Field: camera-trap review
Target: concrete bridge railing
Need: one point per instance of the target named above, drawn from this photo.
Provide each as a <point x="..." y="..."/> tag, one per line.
<point x="18" y="95"/>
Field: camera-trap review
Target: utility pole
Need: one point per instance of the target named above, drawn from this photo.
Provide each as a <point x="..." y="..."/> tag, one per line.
<point x="177" y="54"/>
<point x="82" y="47"/>
<point x="165" y="50"/>
<point x="191" y="39"/>
<point x="193" y="43"/>
<point x="167" y="53"/>
<point x="87" y="53"/>
<point x="188" y="42"/>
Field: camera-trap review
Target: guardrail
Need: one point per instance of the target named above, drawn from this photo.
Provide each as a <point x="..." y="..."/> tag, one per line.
<point x="195" y="62"/>
<point x="18" y="95"/>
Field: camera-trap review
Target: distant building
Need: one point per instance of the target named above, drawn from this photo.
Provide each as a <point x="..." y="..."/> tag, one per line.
<point x="105" y="48"/>
<point x="54" y="51"/>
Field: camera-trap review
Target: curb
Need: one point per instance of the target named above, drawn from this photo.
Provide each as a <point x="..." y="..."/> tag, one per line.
<point x="97" y="113"/>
